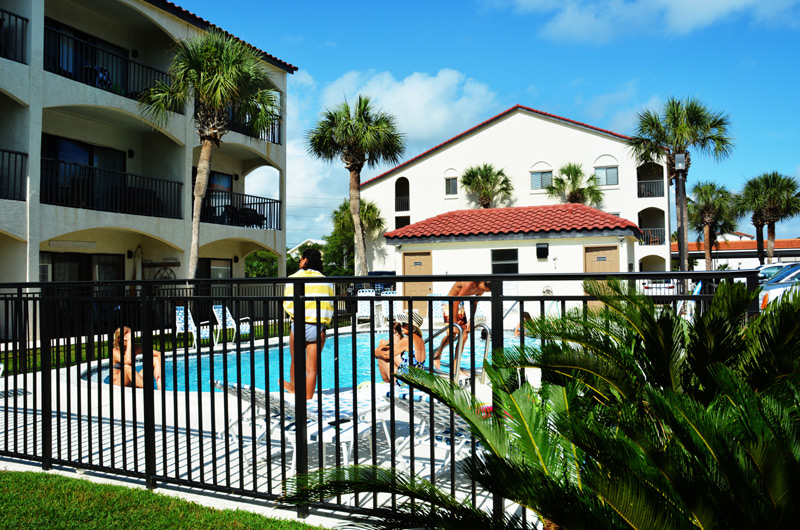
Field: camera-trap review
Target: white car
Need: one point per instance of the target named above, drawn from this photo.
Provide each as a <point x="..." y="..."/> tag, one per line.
<point x="659" y="287"/>
<point x="771" y="292"/>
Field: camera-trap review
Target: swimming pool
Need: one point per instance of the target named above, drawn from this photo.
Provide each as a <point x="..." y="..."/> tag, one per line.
<point x="194" y="372"/>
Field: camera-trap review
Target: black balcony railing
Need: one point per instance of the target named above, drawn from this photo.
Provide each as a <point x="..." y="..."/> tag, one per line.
<point x="238" y="209"/>
<point x="13" y="37"/>
<point x="92" y="188"/>
<point x="653" y="236"/>
<point x="651" y="188"/>
<point x="271" y="135"/>
<point x="13" y="175"/>
<point x="402" y="204"/>
<point x="91" y="65"/>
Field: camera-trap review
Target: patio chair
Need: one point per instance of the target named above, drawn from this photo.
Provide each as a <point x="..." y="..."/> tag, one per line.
<point x="364" y="309"/>
<point x="184" y="323"/>
<point x="240" y="329"/>
<point x="391" y="307"/>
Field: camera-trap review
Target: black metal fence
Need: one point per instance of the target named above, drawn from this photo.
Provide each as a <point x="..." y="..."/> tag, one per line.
<point x="92" y="65"/>
<point x="92" y="188"/>
<point x="212" y="413"/>
<point x="13" y="36"/>
<point x="238" y="209"/>
<point x="13" y="175"/>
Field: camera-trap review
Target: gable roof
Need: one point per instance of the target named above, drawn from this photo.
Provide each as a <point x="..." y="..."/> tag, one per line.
<point x="558" y="218"/>
<point x="191" y="18"/>
<point x="487" y="123"/>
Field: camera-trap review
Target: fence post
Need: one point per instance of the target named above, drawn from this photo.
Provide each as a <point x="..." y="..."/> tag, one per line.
<point x="148" y="392"/>
<point x="300" y="407"/>
<point x="497" y="344"/>
<point x="46" y="316"/>
<point x="752" y="285"/>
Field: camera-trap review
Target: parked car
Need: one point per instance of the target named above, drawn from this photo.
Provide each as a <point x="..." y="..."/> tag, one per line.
<point x="783" y="273"/>
<point x="774" y="291"/>
<point x="659" y="286"/>
<point x="767" y="271"/>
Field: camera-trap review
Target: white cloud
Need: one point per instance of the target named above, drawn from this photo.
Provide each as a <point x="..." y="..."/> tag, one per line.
<point x="599" y="105"/>
<point x="624" y="120"/>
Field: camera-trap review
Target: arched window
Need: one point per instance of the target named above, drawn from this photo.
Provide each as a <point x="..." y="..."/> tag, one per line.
<point x="402" y="199"/>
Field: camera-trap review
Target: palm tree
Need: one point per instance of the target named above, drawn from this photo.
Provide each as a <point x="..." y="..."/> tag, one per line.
<point x="711" y="212"/>
<point x="781" y="201"/>
<point x="228" y="81"/>
<point x="681" y="126"/>
<point x="359" y="136"/>
<point x="569" y="184"/>
<point x="370" y="217"/>
<point x="751" y="200"/>
<point x="487" y="184"/>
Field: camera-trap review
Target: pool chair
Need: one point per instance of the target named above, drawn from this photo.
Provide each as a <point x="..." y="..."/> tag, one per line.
<point x="240" y="329"/>
<point x="269" y="422"/>
<point x="364" y="309"/>
<point x="391" y="307"/>
<point x="184" y="323"/>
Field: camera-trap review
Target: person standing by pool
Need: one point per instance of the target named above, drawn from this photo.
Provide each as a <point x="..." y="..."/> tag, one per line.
<point x="313" y="328"/>
<point x="123" y="353"/>
<point x="460" y="289"/>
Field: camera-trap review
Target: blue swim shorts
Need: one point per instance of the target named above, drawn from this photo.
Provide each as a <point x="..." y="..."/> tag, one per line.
<point x="313" y="331"/>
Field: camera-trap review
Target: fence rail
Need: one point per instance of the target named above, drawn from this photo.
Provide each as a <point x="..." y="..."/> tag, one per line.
<point x="238" y="209"/>
<point x="13" y="175"/>
<point x="13" y="37"/>
<point x="217" y="417"/>
<point x="651" y="188"/>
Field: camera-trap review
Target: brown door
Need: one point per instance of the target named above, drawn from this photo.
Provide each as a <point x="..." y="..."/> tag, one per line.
<point x="417" y="263"/>
<point x="600" y="259"/>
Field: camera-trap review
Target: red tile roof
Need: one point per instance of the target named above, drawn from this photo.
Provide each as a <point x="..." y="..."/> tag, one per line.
<point x="699" y="246"/>
<point x="203" y="24"/>
<point x="517" y="220"/>
<point x="486" y="123"/>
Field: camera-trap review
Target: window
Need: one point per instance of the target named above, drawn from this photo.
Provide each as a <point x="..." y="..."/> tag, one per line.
<point x="451" y="186"/>
<point x="402" y="199"/>
<point x="401" y="221"/>
<point x="606" y="176"/>
<point x="505" y="261"/>
<point x="541" y="179"/>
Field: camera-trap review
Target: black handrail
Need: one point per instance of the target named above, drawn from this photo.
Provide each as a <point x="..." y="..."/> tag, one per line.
<point x="238" y="209"/>
<point x="13" y="175"/>
<point x="92" y="188"/>
<point x="13" y="36"/>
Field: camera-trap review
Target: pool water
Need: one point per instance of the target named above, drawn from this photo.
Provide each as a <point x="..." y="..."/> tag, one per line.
<point x="194" y="372"/>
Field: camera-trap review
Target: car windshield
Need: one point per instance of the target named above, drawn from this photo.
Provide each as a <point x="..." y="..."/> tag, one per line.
<point x="784" y="273"/>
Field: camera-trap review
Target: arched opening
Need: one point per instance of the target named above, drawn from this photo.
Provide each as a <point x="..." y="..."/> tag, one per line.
<point x="650" y="180"/>
<point x="652" y="264"/>
<point x="653" y="226"/>
<point x="402" y="199"/>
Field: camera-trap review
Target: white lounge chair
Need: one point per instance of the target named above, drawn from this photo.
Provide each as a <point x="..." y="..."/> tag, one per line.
<point x="364" y="309"/>
<point x="391" y="307"/>
<point x="184" y="323"/>
<point x="240" y="329"/>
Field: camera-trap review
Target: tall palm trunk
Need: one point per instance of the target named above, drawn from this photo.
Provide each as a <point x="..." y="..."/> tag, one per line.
<point x="682" y="219"/>
<point x="200" y="187"/>
<point x="770" y="241"/>
<point x="707" y="244"/>
<point x="355" y="211"/>
<point x="759" y="241"/>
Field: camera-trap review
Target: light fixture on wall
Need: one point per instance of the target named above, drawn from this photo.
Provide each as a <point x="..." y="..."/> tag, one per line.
<point x="236" y="259"/>
<point x="235" y="176"/>
<point x="130" y="153"/>
<point x="129" y="254"/>
<point x="621" y="238"/>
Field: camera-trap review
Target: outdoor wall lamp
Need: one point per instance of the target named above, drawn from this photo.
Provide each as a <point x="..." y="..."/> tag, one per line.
<point x="236" y="259"/>
<point x="129" y="254"/>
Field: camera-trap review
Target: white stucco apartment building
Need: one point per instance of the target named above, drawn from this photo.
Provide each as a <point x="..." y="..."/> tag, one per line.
<point x="530" y="146"/>
<point x="89" y="190"/>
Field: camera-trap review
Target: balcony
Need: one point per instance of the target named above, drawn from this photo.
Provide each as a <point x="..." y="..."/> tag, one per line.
<point x="91" y="65"/>
<point x="13" y="36"/>
<point x="651" y="188"/>
<point x="238" y="209"/>
<point x="653" y="236"/>
<point x="402" y="204"/>
<point x="13" y="175"/>
<point x="92" y="188"/>
<point x="271" y="135"/>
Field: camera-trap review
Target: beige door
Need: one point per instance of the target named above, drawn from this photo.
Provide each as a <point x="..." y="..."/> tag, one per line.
<point x="417" y="263"/>
<point x="600" y="259"/>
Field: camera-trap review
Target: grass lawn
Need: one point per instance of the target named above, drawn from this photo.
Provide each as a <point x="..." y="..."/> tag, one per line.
<point x="30" y="500"/>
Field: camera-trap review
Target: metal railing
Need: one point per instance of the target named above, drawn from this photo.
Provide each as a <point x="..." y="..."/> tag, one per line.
<point x="13" y="37"/>
<point x="653" y="236"/>
<point x="651" y="188"/>
<point x="402" y="204"/>
<point x="13" y="175"/>
<point x="217" y="419"/>
<point x="238" y="209"/>
<point x="91" y="65"/>
<point x="92" y="188"/>
<point x="271" y="135"/>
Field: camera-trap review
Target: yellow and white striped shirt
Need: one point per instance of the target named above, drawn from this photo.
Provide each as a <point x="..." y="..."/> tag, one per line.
<point x="313" y="290"/>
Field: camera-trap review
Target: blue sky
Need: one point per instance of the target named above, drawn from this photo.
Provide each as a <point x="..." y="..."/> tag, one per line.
<point x="442" y="67"/>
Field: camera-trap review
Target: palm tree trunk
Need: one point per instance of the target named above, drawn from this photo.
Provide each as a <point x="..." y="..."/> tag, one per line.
<point x="707" y="244"/>
<point x="759" y="243"/>
<point x="355" y="211"/>
<point x="770" y="241"/>
<point x="682" y="219"/>
<point x="200" y="187"/>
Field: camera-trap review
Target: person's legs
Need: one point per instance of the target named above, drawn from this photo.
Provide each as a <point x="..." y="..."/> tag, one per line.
<point x="157" y="368"/>
<point x="437" y="355"/>
<point x="312" y="354"/>
<point x="289" y="387"/>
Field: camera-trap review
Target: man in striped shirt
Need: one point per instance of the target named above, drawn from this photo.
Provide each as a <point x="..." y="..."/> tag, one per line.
<point x="318" y="315"/>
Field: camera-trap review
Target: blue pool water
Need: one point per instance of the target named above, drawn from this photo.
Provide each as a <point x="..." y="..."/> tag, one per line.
<point x="197" y="372"/>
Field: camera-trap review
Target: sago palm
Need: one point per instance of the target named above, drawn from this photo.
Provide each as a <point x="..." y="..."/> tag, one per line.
<point x="711" y="213"/>
<point x="570" y="185"/>
<point x="358" y="136"/>
<point x="228" y="80"/>
<point x="681" y="125"/>
<point x="487" y="184"/>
